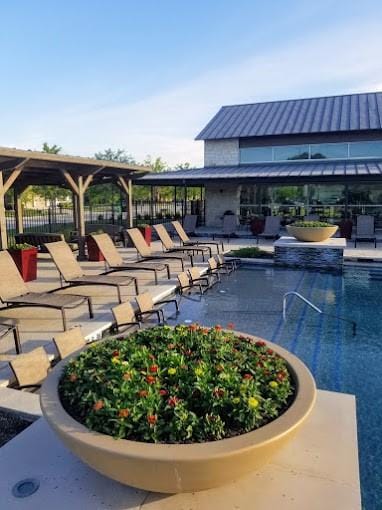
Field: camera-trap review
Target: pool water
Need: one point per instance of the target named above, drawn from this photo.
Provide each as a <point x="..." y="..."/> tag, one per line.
<point x="251" y="298"/>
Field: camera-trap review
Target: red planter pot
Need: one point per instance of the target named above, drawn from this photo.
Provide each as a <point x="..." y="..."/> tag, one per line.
<point x="346" y="228"/>
<point x="94" y="253"/>
<point x="26" y="262"/>
<point x="146" y="232"/>
<point x="257" y="226"/>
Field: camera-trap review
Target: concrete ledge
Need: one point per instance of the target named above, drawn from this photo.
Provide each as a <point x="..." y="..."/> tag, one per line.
<point x="291" y="242"/>
<point x="317" y="469"/>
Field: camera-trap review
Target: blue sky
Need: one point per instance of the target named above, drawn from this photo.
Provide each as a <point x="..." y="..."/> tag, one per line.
<point x="147" y="76"/>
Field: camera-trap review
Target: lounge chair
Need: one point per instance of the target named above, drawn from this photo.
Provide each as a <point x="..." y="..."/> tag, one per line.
<point x="15" y="294"/>
<point x="186" y="241"/>
<point x="169" y="246"/>
<point x="229" y="265"/>
<point x="124" y="319"/>
<point x="271" y="228"/>
<point x="213" y="269"/>
<point x="229" y="226"/>
<point x="205" y="279"/>
<point x="5" y="329"/>
<point x="365" y="230"/>
<point x="186" y="285"/>
<point x="115" y="262"/>
<point x="189" y="223"/>
<point x="72" y="273"/>
<point x="145" y="252"/>
<point x="30" y="369"/>
<point x="146" y="306"/>
<point x="69" y="341"/>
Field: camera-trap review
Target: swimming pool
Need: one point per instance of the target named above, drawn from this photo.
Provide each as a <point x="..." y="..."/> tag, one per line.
<point x="251" y="298"/>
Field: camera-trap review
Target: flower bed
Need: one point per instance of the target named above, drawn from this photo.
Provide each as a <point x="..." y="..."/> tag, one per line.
<point x="182" y="385"/>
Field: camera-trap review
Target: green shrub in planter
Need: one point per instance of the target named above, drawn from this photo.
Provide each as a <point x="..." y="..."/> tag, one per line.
<point x="177" y="385"/>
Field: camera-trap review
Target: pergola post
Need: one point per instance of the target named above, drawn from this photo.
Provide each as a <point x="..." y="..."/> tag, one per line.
<point x="126" y="186"/>
<point x="18" y="210"/>
<point x="5" y="185"/>
<point x="79" y="184"/>
<point x="3" y="225"/>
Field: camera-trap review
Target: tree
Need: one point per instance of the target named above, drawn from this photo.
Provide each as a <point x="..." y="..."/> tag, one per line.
<point x="51" y="149"/>
<point x="116" y="155"/>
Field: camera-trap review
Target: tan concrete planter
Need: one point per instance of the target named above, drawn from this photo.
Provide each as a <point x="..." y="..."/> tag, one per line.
<point x="312" y="234"/>
<point x="175" y="468"/>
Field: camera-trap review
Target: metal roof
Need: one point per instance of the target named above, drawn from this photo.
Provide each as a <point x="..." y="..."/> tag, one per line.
<point x="265" y="172"/>
<point x="353" y="112"/>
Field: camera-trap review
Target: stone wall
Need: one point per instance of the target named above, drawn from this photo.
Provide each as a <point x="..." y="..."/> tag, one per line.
<point x="221" y="152"/>
<point x="220" y="198"/>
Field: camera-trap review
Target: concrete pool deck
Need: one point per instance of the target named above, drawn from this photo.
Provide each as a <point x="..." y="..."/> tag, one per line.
<point x="317" y="469"/>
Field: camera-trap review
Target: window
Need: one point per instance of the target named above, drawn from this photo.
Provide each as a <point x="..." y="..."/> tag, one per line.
<point x="255" y="154"/>
<point x="365" y="149"/>
<point x="291" y="152"/>
<point x="329" y="151"/>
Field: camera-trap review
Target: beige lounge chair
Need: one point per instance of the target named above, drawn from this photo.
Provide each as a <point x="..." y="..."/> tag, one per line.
<point x="271" y="228"/>
<point x="5" y="329"/>
<point x="146" y="306"/>
<point x="186" y="241"/>
<point x="15" y="294"/>
<point x="72" y="273"/>
<point x="227" y="265"/>
<point x="145" y="252"/>
<point x="124" y="319"/>
<point x="169" y="246"/>
<point x="30" y="369"/>
<point x="115" y="262"/>
<point x="69" y="341"/>
<point x="213" y="269"/>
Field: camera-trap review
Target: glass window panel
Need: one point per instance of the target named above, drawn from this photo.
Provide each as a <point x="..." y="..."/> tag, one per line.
<point x="365" y="194"/>
<point x="329" y="150"/>
<point x="255" y="154"/>
<point x="365" y="149"/>
<point x="291" y="152"/>
<point x="326" y="194"/>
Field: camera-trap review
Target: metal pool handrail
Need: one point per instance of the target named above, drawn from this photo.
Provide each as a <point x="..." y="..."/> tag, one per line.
<point x="318" y="310"/>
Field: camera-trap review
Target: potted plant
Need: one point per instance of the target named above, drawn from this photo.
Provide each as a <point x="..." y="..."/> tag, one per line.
<point x="257" y="225"/>
<point x="178" y="409"/>
<point x="94" y="253"/>
<point x="311" y="231"/>
<point x="146" y="231"/>
<point x="25" y="257"/>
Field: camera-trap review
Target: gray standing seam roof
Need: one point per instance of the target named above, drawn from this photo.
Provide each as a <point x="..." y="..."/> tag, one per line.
<point x="267" y="171"/>
<point x="353" y="112"/>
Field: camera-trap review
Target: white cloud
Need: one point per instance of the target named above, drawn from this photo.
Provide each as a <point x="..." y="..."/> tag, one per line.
<point x="339" y="61"/>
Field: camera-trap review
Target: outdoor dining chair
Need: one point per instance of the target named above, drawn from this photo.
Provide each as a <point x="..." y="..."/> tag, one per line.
<point x="15" y="294"/>
<point x="69" y="341"/>
<point x="365" y="230"/>
<point x="147" y="307"/>
<point x="125" y="319"/>
<point x="115" y="262"/>
<point x="189" y="223"/>
<point x="30" y="369"/>
<point x="71" y="272"/>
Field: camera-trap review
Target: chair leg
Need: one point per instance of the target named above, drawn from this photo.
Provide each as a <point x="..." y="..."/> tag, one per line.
<point x="63" y="318"/>
<point x="156" y="277"/>
<point x="119" y="294"/>
<point x="90" y="306"/>
<point x="136" y="286"/>
<point x="16" y="337"/>
<point x="168" y="271"/>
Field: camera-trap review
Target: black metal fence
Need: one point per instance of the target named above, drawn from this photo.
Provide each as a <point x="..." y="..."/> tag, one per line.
<point x="59" y="218"/>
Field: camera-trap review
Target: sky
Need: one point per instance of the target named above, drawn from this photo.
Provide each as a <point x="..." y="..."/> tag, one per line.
<point x="147" y="75"/>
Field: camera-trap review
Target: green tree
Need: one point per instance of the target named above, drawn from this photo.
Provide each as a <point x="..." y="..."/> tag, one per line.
<point x="115" y="155"/>
<point x="51" y="149"/>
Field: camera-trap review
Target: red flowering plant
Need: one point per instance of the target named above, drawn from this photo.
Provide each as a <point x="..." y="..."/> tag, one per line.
<point x="177" y="385"/>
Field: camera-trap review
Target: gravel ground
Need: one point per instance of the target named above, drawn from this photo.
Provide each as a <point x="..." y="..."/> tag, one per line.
<point x="10" y="425"/>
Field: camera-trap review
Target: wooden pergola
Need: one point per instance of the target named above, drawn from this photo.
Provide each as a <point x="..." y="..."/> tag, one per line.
<point x="20" y="169"/>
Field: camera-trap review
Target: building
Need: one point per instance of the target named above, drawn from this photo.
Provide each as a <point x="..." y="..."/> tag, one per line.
<point x="320" y="156"/>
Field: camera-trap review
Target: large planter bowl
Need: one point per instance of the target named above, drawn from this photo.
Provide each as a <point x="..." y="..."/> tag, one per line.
<point x="172" y="468"/>
<point x="311" y="234"/>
